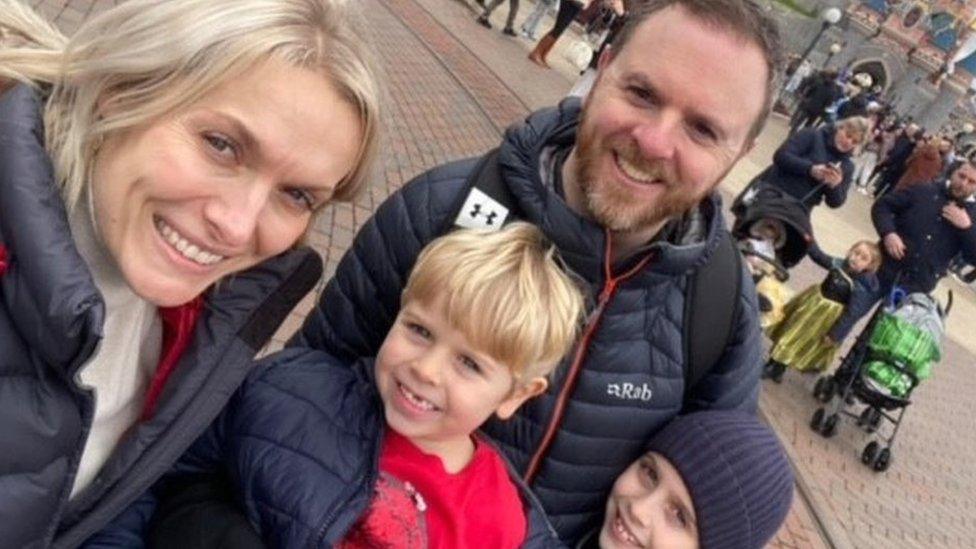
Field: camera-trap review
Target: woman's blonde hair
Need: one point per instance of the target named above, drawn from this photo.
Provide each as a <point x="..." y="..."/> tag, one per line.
<point x="144" y="58"/>
<point x="856" y="125"/>
<point x="505" y="291"/>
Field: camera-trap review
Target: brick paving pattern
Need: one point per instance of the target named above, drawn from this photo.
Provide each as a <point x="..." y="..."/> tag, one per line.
<point x="455" y="85"/>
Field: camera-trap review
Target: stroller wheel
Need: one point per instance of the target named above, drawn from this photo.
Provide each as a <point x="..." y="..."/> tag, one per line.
<point x="819" y="387"/>
<point x="817" y="419"/>
<point x="830" y="426"/>
<point x="826" y="389"/>
<point x="883" y="461"/>
<point x="870" y="453"/>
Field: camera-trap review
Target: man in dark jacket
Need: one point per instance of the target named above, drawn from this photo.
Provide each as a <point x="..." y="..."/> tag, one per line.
<point x="624" y="187"/>
<point x="820" y="93"/>
<point x="924" y="227"/>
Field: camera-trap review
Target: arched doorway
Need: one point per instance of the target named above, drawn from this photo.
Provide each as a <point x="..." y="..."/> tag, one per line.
<point x="877" y="70"/>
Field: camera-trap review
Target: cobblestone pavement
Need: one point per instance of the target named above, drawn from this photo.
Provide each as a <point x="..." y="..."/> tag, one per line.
<point x="455" y="86"/>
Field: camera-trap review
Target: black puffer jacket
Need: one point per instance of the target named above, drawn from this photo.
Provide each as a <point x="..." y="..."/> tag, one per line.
<point x="51" y="318"/>
<point x="625" y="381"/>
<point x="931" y="241"/>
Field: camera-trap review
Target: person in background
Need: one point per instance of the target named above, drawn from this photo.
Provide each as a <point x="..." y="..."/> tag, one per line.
<point x="821" y="91"/>
<point x="817" y="320"/>
<point x="814" y="165"/>
<point x="531" y="23"/>
<point x="893" y="165"/>
<point x="513" y="6"/>
<point x="568" y="10"/>
<point x="924" y="165"/>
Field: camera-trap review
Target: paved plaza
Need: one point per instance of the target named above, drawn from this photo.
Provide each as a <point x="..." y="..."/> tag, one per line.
<point x="454" y="88"/>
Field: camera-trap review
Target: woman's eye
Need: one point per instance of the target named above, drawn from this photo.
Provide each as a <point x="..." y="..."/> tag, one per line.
<point x="302" y="198"/>
<point x="220" y="144"/>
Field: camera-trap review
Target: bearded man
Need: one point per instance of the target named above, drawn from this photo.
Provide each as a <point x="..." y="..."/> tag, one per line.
<point x="923" y="227"/>
<point x="624" y="187"/>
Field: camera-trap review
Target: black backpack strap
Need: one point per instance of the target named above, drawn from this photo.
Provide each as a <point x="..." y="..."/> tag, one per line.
<point x="711" y="310"/>
<point x="486" y="202"/>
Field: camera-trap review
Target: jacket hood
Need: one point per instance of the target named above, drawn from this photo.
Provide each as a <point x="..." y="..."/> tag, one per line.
<point x="583" y="243"/>
<point x="47" y="286"/>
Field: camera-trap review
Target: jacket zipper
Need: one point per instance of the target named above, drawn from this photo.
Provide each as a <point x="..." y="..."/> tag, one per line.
<point x="606" y="294"/>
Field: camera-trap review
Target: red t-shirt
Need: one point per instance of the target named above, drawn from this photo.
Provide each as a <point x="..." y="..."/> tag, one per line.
<point x="419" y="504"/>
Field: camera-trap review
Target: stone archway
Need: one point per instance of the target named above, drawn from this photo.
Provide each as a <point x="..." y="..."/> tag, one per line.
<point x="876" y="68"/>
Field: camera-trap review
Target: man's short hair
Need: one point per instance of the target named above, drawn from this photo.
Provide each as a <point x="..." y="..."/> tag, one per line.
<point x="505" y="291"/>
<point x="741" y="17"/>
<point x="968" y="160"/>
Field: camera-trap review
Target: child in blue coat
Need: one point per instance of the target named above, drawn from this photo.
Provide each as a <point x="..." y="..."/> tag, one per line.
<point x="386" y="453"/>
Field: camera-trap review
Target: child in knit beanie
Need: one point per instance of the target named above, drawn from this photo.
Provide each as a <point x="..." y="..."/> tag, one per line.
<point x="714" y="480"/>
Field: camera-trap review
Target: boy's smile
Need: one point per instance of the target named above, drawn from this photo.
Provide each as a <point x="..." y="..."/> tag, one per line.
<point x="436" y="388"/>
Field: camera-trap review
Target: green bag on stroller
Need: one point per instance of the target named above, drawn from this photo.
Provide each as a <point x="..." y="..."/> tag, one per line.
<point x="910" y="337"/>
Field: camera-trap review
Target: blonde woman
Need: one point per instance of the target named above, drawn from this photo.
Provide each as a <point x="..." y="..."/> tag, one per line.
<point x="814" y="165"/>
<point x="163" y="147"/>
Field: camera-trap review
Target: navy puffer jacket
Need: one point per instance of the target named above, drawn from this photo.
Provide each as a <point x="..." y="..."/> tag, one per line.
<point x="51" y="317"/>
<point x="626" y="379"/>
<point x="300" y="443"/>
<point x="792" y="161"/>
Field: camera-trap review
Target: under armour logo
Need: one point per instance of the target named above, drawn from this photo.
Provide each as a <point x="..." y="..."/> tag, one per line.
<point x="489" y="216"/>
<point x="481" y="211"/>
<point x="629" y="391"/>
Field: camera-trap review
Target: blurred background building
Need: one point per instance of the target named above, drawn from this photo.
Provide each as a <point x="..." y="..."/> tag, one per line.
<point x="921" y="52"/>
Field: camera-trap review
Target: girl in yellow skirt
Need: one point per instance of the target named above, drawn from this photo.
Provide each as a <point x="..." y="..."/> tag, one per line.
<point x="814" y="322"/>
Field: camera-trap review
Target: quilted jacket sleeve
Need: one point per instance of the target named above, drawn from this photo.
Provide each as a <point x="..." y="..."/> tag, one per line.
<point x="887" y="208"/>
<point x="733" y="383"/>
<point x="361" y="301"/>
<point x="793" y="156"/>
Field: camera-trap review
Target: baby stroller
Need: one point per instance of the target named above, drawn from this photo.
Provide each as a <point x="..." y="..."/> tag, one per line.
<point x="890" y="357"/>
<point x="773" y="232"/>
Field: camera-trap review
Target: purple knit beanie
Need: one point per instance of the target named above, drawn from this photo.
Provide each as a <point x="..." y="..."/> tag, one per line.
<point x="738" y="475"/>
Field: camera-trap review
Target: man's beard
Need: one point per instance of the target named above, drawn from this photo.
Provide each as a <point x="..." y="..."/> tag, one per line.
<point x="610" y="204"/>
<point x="958" y="192"/>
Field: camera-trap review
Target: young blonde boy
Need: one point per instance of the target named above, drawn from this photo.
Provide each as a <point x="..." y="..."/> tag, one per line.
<point x="386" y="453"/>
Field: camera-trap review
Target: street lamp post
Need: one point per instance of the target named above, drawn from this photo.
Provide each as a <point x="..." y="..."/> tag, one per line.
<point x="828" y="17"/>
<point x="834" y="50"/>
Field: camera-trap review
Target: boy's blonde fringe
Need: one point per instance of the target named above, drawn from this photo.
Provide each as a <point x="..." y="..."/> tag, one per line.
<point x="505" y="291"/>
